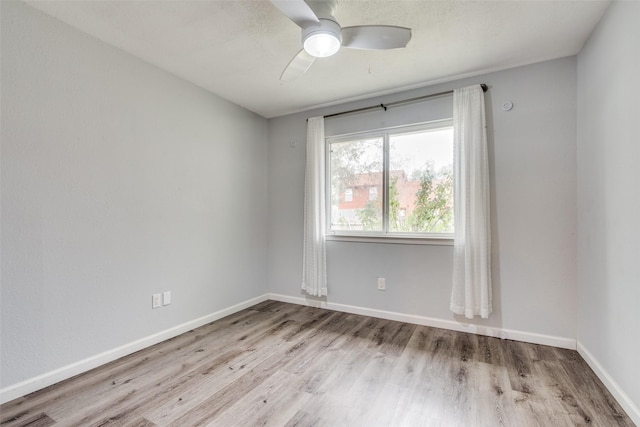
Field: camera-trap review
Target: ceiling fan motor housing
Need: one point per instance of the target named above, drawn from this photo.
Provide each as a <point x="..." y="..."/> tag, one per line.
<point x="322" y="40"/>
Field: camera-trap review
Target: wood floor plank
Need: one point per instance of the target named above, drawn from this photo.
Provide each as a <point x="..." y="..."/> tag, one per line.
<point x="30" y="420"/>
<point x="302" y="418"/>
<point x="406" y="383"/>
<point x="247" y="353"/>
<point x="334" y="391"/>
<point x="160" y="379"/>
<point x="278" y="364"/>
<point x="368" y="391"/>
<point x="576" y="383"/>
<point x="103" y="379"/>
<point x="273" y="403"/>
<point x="218" y="402"/>
<point x="140" y="422"/>
<point x="414" y="382"/>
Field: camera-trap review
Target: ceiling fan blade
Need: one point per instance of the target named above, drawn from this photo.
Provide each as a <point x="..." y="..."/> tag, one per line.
<point x="297" y="67"/>
<point x="375" y="37"/>
<point x="298" y="11"/>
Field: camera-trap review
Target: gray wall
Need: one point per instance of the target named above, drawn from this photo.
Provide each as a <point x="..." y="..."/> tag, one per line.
<point x="118" y="181"/>
<point x="533" y="169"/>
<point x="609" y="196"/>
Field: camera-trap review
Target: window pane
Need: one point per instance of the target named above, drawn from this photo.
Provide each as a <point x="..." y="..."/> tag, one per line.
<point x="355" y="168"/>
<point x="421" y="181"/>
<point x="373" y="193"/>
<point x="348" y="195"/>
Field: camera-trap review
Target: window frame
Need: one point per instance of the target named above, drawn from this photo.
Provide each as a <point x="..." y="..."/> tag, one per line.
<point x="384" y="236"/>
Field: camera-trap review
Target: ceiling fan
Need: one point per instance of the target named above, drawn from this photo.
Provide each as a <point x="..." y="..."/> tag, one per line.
<point x="322" y="36"/>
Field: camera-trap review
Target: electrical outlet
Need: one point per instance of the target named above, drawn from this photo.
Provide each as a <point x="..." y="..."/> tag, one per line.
<point x="156" y="300"/>
<point x="166" y="298"/>
<point x="382" y="284"/>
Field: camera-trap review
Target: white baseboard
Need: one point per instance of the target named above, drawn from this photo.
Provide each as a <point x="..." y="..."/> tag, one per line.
<point x="33" y="384"/>
<point x="41" y="381"/>
<point x="562" y="342"/>
<point x="623" y="399"/>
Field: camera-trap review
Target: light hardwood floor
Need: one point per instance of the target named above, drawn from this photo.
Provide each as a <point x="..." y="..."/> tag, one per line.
<point x="281" y="364"/>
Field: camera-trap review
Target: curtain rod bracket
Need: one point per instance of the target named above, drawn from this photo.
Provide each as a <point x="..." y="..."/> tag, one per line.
<point x="383" y="107"/>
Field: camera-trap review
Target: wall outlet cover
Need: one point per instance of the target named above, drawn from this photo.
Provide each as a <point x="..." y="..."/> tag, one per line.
<point x="156" y="300"/>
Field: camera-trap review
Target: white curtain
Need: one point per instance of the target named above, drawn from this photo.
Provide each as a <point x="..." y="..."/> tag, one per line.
<point x="471" y="294"/>
<point x="314" y="264"/>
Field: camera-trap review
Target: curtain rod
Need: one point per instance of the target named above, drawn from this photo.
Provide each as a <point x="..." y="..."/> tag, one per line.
<point x="392" y="104"/>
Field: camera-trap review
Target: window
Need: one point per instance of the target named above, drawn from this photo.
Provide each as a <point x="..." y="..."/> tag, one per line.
<point x="348" y="195"/>
<point x="412" y="165"/>
<point x="373" y="193"/>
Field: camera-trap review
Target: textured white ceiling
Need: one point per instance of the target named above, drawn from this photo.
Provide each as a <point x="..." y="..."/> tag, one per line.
<point x="237" y="49"/>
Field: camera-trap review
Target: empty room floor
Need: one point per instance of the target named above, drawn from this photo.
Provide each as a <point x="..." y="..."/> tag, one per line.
<point x="282" y="364"/>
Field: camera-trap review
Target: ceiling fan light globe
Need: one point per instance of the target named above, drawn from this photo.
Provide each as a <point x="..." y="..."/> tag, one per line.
<point x="321" y="45"/>
<point x="322" y="40"/>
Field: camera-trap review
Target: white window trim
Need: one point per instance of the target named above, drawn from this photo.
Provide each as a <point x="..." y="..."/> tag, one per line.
<point x="430" y="240"/>
<point x="436" y="239"/>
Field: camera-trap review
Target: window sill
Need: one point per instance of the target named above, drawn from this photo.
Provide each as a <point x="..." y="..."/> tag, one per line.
<point x="394" y="240"/>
